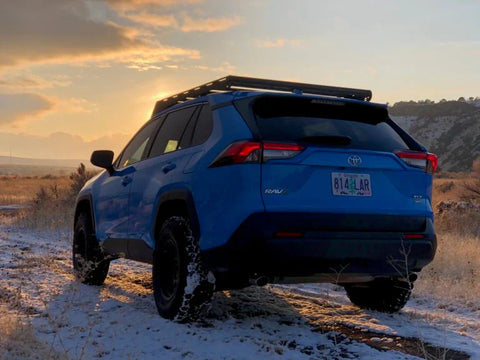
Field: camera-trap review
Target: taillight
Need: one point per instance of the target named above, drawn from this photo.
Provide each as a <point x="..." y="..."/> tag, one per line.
<point x="272" y="151"/>
<point x="426" y="161"/>
<point x="241" y="152"/>
<point x="237" y="153"/>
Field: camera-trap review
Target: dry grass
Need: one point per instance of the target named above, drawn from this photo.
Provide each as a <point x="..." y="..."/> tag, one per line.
<point x="20" y="190"/>
<point x="47" y="200"/>
<point x="454" y="275"/>
<point x="49" y="215"/>
<point x="17" y="339"/>
<point x="445" y="189"/>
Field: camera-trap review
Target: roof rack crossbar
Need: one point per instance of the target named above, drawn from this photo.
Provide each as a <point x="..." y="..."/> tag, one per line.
<point x="231" y="82"/>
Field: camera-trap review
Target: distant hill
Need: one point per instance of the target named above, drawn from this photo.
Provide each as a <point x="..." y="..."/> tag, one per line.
<point x="7" y="160"/>
<point x="450" y="129"/>
<point x="20" y="166"/>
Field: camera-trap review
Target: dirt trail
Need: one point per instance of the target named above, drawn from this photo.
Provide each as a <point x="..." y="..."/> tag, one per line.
<point x="345" y="317"/>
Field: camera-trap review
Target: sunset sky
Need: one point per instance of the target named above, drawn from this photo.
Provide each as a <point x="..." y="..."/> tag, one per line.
<point x="77" y="75"/>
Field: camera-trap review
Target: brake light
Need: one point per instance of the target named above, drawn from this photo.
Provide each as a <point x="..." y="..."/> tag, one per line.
<point x="272" y="151"/>
<point x="426" y="161"/>
<point x="241" y="152"/>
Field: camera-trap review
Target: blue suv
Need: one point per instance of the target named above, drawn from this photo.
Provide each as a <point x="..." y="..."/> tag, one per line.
<point x="247" y="181"/>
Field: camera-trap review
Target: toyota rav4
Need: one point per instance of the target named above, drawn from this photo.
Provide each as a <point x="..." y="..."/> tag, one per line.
<point x="247" y="181"/>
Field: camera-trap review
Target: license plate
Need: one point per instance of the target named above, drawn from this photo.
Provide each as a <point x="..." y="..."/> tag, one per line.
<point x="346" y="184"/>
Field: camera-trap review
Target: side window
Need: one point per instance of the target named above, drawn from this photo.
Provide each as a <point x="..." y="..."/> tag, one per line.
<point x="204" y="126"/>
<point x="135" y="149"/>
<point x="168" y="137"/>
<point x="186" y="139"/>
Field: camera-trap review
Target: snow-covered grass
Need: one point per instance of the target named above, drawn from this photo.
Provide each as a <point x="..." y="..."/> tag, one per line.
<point x="18" y="339"/>
<point x="119" y="321"/>
<point x="46" y="314"/>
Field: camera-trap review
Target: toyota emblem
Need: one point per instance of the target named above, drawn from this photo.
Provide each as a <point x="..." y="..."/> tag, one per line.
<point x="354" y="160"/>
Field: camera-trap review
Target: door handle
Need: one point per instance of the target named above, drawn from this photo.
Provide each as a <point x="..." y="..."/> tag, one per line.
<point x="126" y="180"/>
<point x="168" y="167"/>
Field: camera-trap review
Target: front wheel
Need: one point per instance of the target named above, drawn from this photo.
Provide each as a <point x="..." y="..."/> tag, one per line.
<point x="89" y="263"/>
<point x="181" y="287"/>
<point x="385" y="295"/>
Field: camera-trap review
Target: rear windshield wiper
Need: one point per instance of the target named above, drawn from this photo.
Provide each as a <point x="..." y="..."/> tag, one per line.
<point x="327" y="140"/>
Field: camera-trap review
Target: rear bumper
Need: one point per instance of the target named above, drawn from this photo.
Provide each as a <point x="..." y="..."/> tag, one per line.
<point x="326" y="248"/>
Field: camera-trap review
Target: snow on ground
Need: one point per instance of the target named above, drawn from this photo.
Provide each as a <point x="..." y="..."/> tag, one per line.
<point x="119" y="320"/>
<point x="11" y="207"/>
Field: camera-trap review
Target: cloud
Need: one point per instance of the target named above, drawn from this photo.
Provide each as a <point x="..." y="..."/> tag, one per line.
<point x="62" y="31"/>
<point x="225" y="68"/>
<point x="152" y="58"/>
<point x="24" y="82"/>
<point x="76" y="105"/>
<point x="21" y="107"/>
<point x="21" y="80"/>
<point x="147" y="13"/>
<point x="210" y="24"/>
<point x="278" y="43"/>
<point x="59" y="145"/>
<point x="129" y="5"/>
<point x="43" y="30"/>
<point x="152" y="20"/>
<point x="16" y="108"/>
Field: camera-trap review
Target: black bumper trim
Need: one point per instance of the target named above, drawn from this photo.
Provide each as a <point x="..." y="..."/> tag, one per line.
<point x="253" y="250"/>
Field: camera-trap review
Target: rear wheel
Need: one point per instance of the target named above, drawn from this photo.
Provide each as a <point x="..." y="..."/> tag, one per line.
<point x="181" y="287"/>
<point x="386" y="295"/>
<point x="89" y="263"/>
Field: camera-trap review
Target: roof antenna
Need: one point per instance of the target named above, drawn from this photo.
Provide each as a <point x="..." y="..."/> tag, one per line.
<point x="297" y="91"/>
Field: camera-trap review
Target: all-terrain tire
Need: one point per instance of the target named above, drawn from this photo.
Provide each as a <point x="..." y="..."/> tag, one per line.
<point x="89" y="263"/>
<point x="385" y="295"/>
<point x="181" y="286"/>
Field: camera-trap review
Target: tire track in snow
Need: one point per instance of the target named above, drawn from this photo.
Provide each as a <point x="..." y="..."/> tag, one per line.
<point x="346" y="321"/>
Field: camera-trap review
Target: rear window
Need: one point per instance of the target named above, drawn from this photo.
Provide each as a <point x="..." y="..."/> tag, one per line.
<point x="326" y="123"/>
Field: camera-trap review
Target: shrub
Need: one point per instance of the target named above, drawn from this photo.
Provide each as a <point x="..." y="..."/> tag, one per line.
<point x="472" y="188"/>
<point x="79" y="178"/>
<point x="446" y="186"/>
<point x="453" y="276"/>
<point x="52" y="207"/>
<point x="458" y="217"/>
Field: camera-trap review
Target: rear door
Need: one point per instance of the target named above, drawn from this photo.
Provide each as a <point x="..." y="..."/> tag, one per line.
<point x="347" y="164"/>
<point x="112" y="195"/>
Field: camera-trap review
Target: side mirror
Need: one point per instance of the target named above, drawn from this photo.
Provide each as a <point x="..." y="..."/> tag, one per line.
<point x="103" y="159"/>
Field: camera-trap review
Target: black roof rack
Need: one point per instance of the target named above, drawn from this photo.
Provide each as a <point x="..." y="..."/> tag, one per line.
<point x="231" y="83"/>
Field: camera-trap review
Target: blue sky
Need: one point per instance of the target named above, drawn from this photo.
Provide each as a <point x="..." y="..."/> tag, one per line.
<point x="81" y="74"/>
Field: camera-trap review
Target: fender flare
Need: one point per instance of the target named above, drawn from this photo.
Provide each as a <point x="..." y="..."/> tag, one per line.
<point x="179" y="195"/>
<point x="85" y="198"/>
